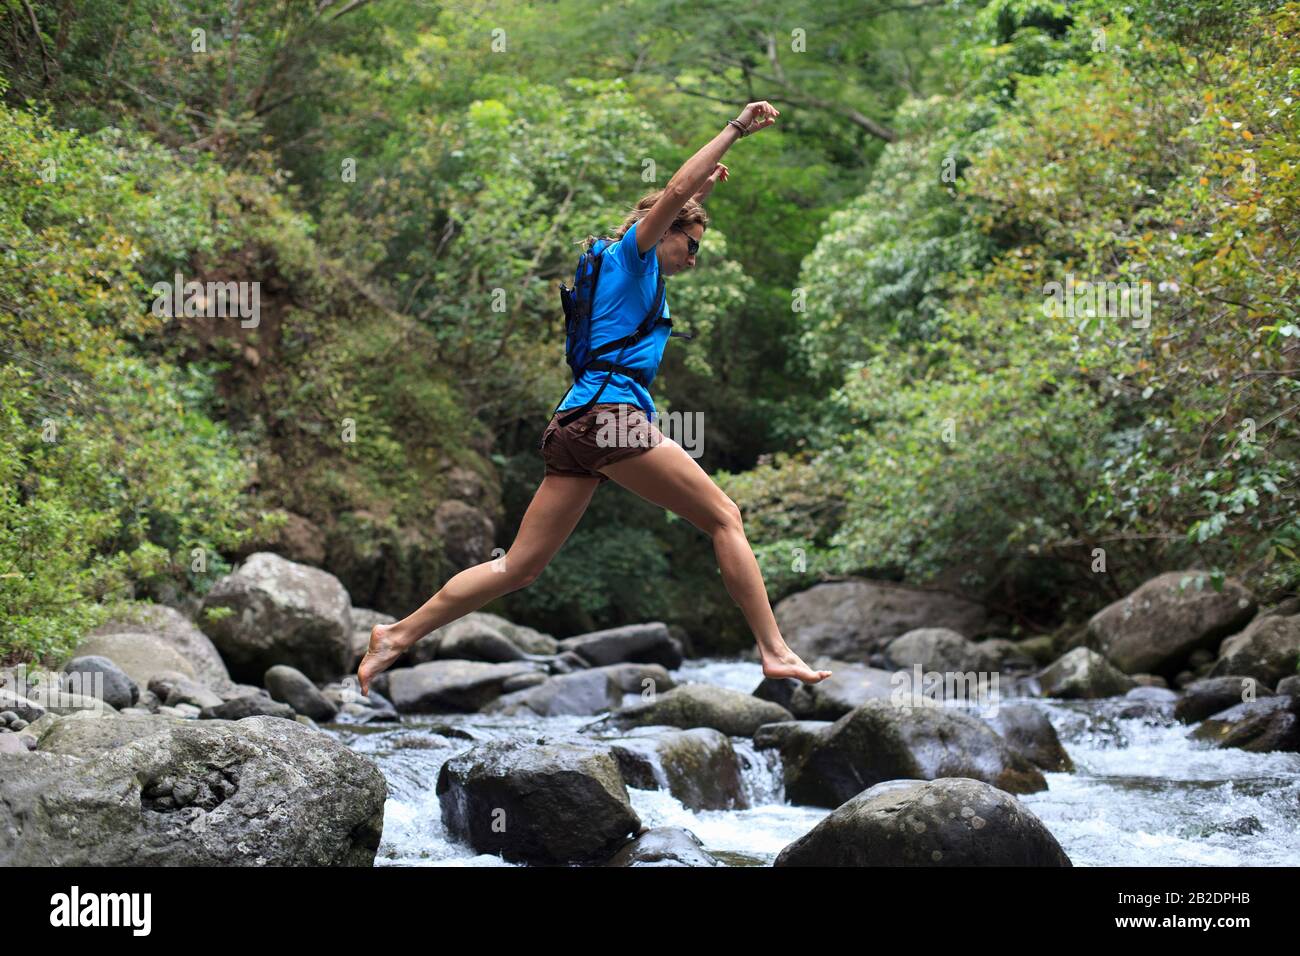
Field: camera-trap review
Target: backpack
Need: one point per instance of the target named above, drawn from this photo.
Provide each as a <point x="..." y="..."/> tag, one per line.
<point x="577" y="303"/>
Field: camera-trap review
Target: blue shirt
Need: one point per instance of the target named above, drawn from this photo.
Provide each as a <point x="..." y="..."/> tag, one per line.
<point x="624" y="294"/>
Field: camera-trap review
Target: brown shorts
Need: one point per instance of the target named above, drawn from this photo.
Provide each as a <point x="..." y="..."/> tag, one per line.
<point x="607" y="432"/>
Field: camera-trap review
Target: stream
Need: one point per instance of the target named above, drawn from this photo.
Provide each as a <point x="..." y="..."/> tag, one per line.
<point x="1142" y="794"/>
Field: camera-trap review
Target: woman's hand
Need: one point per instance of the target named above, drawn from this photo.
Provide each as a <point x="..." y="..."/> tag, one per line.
<point x="719" y="173"/>
<point x="758" y="116"/>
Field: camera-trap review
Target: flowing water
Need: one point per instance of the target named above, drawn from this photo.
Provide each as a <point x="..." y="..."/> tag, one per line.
<point x="1142" y="794"/>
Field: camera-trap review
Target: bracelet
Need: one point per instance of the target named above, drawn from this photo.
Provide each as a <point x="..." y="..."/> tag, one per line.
<point x="739" y="125"/>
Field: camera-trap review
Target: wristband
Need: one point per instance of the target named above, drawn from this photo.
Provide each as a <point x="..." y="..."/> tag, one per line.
<point x="739" y="125"/>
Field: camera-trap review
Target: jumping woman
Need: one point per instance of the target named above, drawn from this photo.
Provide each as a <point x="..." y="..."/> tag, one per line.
<point x="659" y="238"/>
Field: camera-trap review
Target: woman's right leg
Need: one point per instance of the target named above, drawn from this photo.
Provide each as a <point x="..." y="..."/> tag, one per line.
<point x="552" y="515"/>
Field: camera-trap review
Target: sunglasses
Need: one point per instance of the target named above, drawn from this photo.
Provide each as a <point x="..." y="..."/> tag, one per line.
<point x="692" y="244"/>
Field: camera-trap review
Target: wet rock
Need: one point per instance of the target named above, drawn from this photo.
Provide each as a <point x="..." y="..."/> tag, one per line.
<point x="263" y="792"/>
<point x="1204" y="697"/>
<point x="664" y="846"/>
<point x="548" y="803"/>
<point x="1147" y="701"/>
<point x="635" y="643"/>
<point x="848" y="620"/>
<point x="283" y="613"/>
<point x="944" y="822"/>
<point x="1083" y="674"/>
<point x="699" y="705"/>
<point x="699" y="767"/>
<point x="878" y="741"/>
<point x="447" y="686"/>
<point x="848" y="686"/>
<point x="585" y="692"/>
<point x="1157" y="627"/>
<point x="939" y="649"/>
<point x="1027" y="730"/>
<point x="1259" y="726"/>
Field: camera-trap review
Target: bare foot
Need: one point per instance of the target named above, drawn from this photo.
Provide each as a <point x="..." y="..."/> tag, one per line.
<point x="385" y="647"/>
<point x="789" y="664"/>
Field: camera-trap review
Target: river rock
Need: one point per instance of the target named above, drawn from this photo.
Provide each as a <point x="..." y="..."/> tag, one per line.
<point x="1259" y="726"/>
<point x="284" y="613"/>
<point x="174" y="629"/>
<point x="664" y="846"/>
<point x="118" y="690"/>
<point x="248" y="705"/>
<point x="1267" y="650"/>
<point x="698" y="705"/>
<point x="585" y="692"/>
<point x="1083" y="674"/>
<point x="1289" y="686"/>
<point x="353" y="708"/>
<point x="699" y="767"/>
<point x="490" y="636"/>
<point x="880" y="741"/>
<point x="291" y="686"/>
<point x="939" y="649"/>
<point x="26" y="708"/>
<point x="448" y="686"/>
<point x="849" y="620"/>
<point x="139" y="654"/>
<point x="634" y="643"/>
<point x="1156" y="628"/>
<point x="541" y="803"/>
<point x="1027" y="731"/>
<point x="951" y="821"/>
<point x="172" y="688"/>
<point x="848" y="686"/>
<point x="264" y="792"/>
<point x="1210" y="695"/>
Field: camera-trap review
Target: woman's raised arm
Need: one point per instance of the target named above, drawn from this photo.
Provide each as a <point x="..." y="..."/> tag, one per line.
<point x="696" y="171"/>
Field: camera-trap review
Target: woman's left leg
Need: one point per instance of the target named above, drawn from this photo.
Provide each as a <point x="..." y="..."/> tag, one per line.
<point x="667" y="476"/>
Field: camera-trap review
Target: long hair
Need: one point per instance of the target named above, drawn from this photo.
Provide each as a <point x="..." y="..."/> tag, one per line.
<point x="692" y="212"/>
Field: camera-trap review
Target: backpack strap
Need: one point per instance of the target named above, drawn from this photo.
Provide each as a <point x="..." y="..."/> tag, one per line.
<point x="614" y="366"/>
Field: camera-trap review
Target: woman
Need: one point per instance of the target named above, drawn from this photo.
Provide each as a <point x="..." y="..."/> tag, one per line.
<point x="615" y="437"/>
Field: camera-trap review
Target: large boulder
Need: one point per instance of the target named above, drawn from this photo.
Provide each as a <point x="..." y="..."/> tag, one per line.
<point x="1267" y="650"/>
<point x="467" y="532"/>
<point x="826" y="764"/>
<point x="952" y="821"/>
<point x="178" y="632"/>
<point x="141" y="655"/>
<point x="283" y="613"/>
<point x="541" y="802"/>
<point x="697" y="705"/>
<point x="852" y="619"/>
<point x="1157" y="628"/>
<point x="263" y="792"/>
